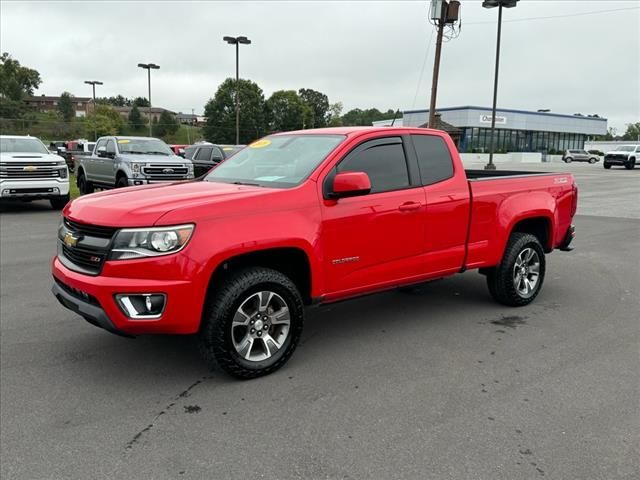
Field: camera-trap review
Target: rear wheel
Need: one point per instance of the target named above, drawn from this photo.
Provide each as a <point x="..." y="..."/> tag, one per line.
<point x="84" y="185"/>
<point x="592" y="160"/>
<point x="59" y="203"/>
<point x="252" y="324"/>
<point x="517" y="280"/>
<point x="631" y="164"/>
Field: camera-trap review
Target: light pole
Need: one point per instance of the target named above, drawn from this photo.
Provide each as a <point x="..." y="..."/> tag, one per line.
<point x="148" y="67"/>
<point x="93" y="83"/>
<point x="237" y="41"/>
<point x="493" y="4"/>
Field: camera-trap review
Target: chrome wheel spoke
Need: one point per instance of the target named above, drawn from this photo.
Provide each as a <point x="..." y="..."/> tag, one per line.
<point x="245" y="346"/>
<point x="265" y="299"/>
<point x="281" y="317"/>
<point x="241" y="318"/>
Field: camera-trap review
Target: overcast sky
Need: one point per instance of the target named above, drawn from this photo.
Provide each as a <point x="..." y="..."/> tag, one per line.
<point x="363" y="54"/>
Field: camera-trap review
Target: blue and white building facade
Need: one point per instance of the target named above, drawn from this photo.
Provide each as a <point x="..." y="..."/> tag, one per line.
<point x="516" y="130"/>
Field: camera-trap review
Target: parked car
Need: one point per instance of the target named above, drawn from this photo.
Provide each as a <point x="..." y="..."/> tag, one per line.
<point x="76" y="149"/>
<point x="29" y="171"/>
<point x="626" y="155"/>
<point x="579" y="156"/>
<point x="301" y="218"/>
<point x="204" y="156"/>
<point x="178" y="149"/>
<point x="123" y="161"/>
<point x="229" y="150"/>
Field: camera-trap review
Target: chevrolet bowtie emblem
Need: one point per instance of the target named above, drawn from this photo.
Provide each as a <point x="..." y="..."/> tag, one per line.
<point x="70" y="239"/>
<point x="29" y="168"/>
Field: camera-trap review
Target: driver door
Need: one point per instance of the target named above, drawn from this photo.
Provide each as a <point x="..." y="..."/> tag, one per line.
<point x="379" y="237"/>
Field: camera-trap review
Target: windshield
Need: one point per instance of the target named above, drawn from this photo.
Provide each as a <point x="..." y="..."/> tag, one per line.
<point x="22" y="145"/>
<point x="229" y="150"/>
<point x="143" y="146"/>
<point x="279" y="161"/>
<point x="625" y="148"/>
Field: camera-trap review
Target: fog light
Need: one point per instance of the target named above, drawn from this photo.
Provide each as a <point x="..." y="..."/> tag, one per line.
<point x="142" y="306"/>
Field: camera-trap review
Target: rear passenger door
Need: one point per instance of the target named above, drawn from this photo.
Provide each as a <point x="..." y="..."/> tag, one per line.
<point x="202" y="160"/>
<point x="448" y="204"/>
<point x="375" y="238"/>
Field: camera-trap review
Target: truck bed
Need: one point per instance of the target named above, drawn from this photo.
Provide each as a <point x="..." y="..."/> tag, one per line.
<point x="497" y="174"/>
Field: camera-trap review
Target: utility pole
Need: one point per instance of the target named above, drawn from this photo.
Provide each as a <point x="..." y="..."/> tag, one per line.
<point x="148" y="67"/>
<point x="443" y="13"/>
<point x="237" y="41"/>
<point x="436" y="66"/>
<point x="93" y="83"/>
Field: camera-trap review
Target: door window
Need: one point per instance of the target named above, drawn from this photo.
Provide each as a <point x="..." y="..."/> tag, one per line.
<point x="111" y="147"/>
<point x="434" y="158"/>
<point x="216" y="155"/>
<point x="204" y="154"/>
<point x="384" y="162"/>
<point x="101" y="143"/>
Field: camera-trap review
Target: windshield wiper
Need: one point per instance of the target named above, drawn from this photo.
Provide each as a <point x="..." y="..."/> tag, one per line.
<point x="247" y="183"/>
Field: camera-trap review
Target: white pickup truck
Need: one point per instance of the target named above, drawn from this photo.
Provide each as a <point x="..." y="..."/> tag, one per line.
<point x="28" y="171"/>
<point x="627" y="155"/>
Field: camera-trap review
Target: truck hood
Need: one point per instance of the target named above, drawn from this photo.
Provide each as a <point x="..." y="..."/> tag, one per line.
<point x="21" y="157"/>
<point x="143" y="206"/>
<point x="619" y="152"/>
<point x="153" y="158"/>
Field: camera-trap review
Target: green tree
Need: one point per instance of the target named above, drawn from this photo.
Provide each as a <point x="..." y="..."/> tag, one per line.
<point x="16" y="83"/>
<point x="167" y="125"/>
<point x="221" y="113"/>
<point x="136" y="122"/>
<point x="358" y="116"/>
<point x="633" y="132"/>
<point x="65" y="107"/>
<point x="139" y="102"/>
<point x="286" y="111"/>
<point x="335" y="115"/>
<point x="105" y="120"/>
<point x="318" y="104"/>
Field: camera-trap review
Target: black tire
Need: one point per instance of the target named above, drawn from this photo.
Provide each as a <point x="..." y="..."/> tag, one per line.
<point x="631" y="164"/>
<point x="59" y="203"/>
<point x="606" y="165"/>
<point x="592" y="161"/>
<point x="85" y="186"/>
<point x="215" y="337"/>
<point x="568" y="160"/>
<point x="500" y="279"/>
<point x="122" y="182"/>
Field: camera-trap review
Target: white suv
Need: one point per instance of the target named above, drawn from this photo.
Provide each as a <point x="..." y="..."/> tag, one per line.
<point x="28" y="171"/>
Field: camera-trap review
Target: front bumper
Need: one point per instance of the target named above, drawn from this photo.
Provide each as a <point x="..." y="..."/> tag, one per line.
<point x="616" y="160"/>
<point x="93" y="297"/>
<point x="33" y="189"/>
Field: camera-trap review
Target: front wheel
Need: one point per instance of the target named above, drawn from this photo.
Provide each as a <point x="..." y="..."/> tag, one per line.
<point x="122" y="182"/>
<point x="84" y="185"/>
<point x="568" y="160"/>
<point x="606" y="165"/>
<point x="59" y="202"/>
<point x="517" y="280"/>
<point x="252" y="324"/>
<point x="631" y="164"/>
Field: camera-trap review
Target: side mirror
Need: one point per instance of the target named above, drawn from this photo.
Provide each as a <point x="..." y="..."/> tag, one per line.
<point x="102" y="151"/>
<point x="350" y="184"/>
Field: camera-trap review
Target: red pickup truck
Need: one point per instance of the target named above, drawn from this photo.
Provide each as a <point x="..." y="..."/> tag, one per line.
<point x="301" y="218"/>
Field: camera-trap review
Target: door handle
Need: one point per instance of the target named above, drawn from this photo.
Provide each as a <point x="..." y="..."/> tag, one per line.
<point x="409" y="206"/>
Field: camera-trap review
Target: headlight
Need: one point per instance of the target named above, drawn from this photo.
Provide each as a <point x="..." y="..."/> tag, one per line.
<point x="63" y="172"/>
<point x="135" y="167"/>
<point x="149" y="242"/>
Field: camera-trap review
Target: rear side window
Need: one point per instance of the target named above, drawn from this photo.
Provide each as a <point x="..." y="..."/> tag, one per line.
<point x="204" y="154"/>
<point x="385" y="164"/>
<point x="434" y="158"/>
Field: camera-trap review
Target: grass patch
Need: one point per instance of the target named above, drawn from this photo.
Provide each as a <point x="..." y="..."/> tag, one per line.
<point x="73" y="187"/>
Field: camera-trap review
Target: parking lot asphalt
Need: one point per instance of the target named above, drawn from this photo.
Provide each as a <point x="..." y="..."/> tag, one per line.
<point x="437" y="382"/>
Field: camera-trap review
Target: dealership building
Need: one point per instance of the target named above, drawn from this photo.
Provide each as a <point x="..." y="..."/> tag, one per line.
<point x="516" y="130"/>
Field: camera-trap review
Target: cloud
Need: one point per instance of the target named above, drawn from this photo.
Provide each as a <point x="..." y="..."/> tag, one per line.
<point x="364" y="54"/>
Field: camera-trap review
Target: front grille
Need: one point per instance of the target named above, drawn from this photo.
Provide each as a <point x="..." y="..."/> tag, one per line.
<point x="159" y="171"/>
<point x="79" y="294"/>
<point x="29" y="171"/>
<point x="87" y="258"/>
<point x="91" y="249"/>
<point x="90" y="230"/>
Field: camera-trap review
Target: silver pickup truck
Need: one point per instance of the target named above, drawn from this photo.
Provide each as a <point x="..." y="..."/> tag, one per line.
<point x="123" y="161"/>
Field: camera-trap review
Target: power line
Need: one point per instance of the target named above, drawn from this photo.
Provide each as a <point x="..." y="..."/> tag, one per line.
<point x="424" y="64"/>
<point x="579" y="14"/>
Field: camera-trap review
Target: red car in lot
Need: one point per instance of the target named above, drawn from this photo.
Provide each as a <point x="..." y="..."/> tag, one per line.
<point x="301" y="218"/>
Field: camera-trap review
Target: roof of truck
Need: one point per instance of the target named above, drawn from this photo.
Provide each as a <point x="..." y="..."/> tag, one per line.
<point x="354" y="130"/>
